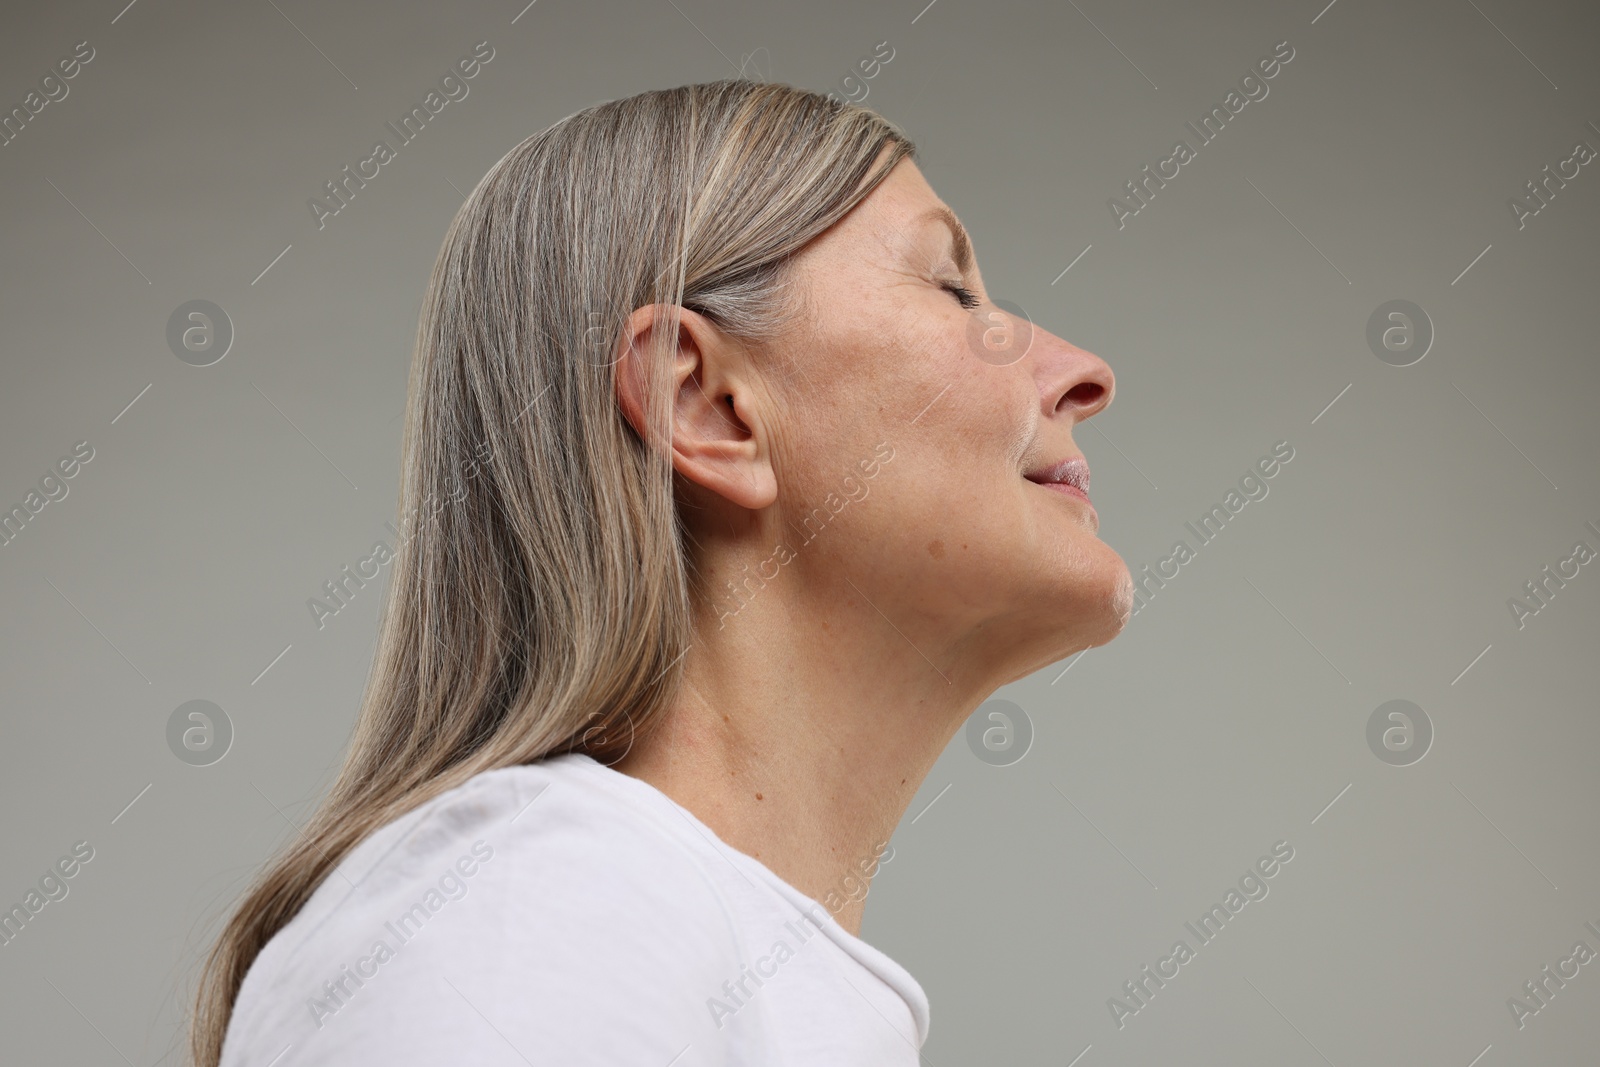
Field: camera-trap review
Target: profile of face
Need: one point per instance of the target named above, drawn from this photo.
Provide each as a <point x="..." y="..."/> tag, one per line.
<point x="954" y="538"/>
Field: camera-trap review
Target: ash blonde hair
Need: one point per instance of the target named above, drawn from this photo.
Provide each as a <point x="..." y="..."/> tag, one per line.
<point x="541" y="589"/>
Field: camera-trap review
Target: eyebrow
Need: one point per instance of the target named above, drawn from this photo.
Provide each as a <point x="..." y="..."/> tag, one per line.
<point x="962" y="245"/>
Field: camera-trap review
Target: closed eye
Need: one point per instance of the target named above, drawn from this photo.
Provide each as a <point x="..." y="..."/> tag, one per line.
<point x="967" y="297"/>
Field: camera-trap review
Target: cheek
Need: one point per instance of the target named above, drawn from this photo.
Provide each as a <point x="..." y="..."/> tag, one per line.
<point x="960" y="451"/>
<point x="903" y="380"/>
<point x="976" y="537"/>
<point x="988" y="418"/>
<point x="944" y="517"/>
<point x="947" y="524"/>
<point x="910" y="358"/>
<point x="881" y="376"/>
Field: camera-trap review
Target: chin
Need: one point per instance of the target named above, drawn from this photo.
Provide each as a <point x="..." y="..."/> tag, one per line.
<point x="1119" y="606"/>
<point x="1102" y="604"/>
<point x="1090" y="612"/>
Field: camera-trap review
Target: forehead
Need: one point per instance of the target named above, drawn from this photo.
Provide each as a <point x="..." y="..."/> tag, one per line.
<point x="902" y="220"/>
<point x="899" y="203"/>
<point x="905" y="190"/>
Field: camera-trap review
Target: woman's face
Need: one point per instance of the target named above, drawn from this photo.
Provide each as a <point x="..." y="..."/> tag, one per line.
<point x="954" y="538"/>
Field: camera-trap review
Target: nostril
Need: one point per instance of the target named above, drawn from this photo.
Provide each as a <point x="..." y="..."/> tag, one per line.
<point x="1084" y="394"/>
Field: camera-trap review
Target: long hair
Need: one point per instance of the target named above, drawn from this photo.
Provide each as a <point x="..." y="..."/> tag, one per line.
<point x="542" y="581"/>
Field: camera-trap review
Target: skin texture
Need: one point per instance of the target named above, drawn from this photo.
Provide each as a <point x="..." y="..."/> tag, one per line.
<point x="812" y="713"/>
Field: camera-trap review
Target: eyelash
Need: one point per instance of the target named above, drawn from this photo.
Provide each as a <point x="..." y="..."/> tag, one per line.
<point x="966" y="296"/>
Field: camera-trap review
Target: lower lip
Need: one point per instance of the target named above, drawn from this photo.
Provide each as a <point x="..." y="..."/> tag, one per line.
<point x="1069" y="490"/>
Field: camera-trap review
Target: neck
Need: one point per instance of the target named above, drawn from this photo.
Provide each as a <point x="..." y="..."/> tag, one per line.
<point x="803" y="744"/>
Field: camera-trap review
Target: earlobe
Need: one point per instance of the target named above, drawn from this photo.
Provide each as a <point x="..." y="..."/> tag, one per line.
<point x="717" y="436"/>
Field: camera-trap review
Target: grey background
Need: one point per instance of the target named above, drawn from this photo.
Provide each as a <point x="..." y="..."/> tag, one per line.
<point x="1227" y="716"/>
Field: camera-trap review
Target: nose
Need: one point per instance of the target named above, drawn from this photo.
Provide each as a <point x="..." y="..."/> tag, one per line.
<point x="1072" y="381"/>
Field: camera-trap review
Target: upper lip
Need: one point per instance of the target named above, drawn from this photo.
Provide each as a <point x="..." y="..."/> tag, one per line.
<point x="1073" y="471"/>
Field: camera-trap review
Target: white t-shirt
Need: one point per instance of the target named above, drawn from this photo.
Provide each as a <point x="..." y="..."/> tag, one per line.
<point x="564" y="913"/>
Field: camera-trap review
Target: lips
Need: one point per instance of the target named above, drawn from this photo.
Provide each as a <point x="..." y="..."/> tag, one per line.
<point x="1069" y="477"/>
<point x="1070" y="473"/>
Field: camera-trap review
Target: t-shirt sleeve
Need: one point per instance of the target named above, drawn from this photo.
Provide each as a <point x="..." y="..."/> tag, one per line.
<point x="563" y="934"/>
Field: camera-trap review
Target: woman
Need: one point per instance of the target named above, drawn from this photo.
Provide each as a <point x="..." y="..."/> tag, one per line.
<point x="729" y="497"/>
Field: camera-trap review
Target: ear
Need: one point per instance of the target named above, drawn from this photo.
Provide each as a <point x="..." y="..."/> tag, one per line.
<point x="719" y="436"/>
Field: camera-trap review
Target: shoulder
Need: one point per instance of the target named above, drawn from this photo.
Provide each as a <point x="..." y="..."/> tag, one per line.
<point x="539" y="906"/>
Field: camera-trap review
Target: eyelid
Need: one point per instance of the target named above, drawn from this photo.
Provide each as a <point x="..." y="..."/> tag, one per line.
<point x="967" y="297"/>
<point x="949" y="274"/>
